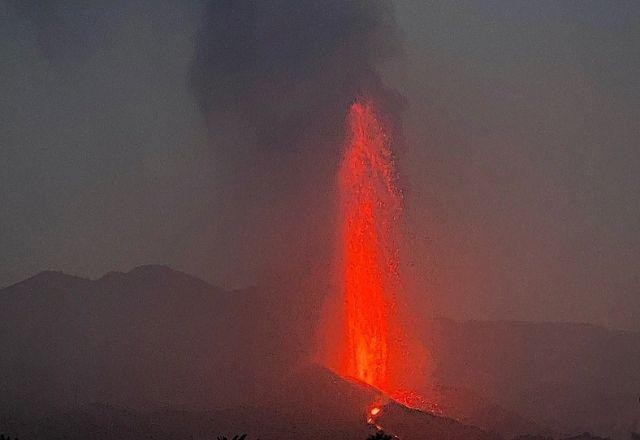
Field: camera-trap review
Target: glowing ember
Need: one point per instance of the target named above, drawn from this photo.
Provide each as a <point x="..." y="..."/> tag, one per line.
<point x="374" y="411"/>
<point x="370" y="208"/>
<point x="372" y="415"/>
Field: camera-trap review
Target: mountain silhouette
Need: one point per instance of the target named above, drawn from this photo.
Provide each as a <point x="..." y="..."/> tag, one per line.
<point x="155" y="351"/>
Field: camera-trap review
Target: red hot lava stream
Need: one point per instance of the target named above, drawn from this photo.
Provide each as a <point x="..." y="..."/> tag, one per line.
<point x="371" y="205"/>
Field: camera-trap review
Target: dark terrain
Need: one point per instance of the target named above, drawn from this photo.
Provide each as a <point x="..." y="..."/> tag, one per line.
<point x="155" y="353"/>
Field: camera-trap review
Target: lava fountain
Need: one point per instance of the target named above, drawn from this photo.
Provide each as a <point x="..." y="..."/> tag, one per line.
<point x="370" y="208"/>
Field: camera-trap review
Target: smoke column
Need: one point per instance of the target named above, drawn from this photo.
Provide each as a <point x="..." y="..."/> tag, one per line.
<point x="273" y="79"/>
<point x="370" y="206"/>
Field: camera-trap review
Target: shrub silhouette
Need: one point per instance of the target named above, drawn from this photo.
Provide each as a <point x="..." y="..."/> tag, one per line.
<point x="380" y="435"/>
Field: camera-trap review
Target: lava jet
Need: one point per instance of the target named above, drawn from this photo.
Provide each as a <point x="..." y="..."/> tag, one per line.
<point x="375" y="346"/>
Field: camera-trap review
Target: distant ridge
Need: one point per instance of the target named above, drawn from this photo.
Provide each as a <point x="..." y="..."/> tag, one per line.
<point x="58" y="278"/>
<point x="155" y="273"/>
<point x="46" y="278"/>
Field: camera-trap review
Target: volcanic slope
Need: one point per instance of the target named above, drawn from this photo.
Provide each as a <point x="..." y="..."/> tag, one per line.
<point x="155" y="339"/>
<point x="317" y="405"/>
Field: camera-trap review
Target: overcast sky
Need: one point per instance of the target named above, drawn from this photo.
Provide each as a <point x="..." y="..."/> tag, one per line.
<point x="520" y="163"/>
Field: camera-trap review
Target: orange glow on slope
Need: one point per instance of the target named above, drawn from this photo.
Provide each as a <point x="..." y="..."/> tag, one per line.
<point x="370" y="207"/>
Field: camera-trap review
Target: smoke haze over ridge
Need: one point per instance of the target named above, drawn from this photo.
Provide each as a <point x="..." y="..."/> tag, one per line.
<point x="520" y="167"/>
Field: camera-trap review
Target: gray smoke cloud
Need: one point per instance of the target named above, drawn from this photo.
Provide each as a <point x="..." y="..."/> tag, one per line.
<point x="286" y="70"/>
<point x="274" y="80"/>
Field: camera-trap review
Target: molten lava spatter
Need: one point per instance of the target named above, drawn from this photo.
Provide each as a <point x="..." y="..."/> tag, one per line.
<point x="370" y="206"/>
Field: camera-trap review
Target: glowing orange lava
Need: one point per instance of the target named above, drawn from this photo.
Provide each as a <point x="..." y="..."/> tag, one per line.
<point x="372" y="416"/>
<point x="370" y="206"/>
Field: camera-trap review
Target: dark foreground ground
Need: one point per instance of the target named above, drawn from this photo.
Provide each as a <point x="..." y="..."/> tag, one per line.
<point x="155" y="353"/>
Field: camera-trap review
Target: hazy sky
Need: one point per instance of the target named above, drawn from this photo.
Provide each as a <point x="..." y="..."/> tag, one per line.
<point x="520" y="164"/>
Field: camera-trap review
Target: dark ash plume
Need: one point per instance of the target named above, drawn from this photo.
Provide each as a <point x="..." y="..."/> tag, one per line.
<point x="286" y="70"/>
<point x="274" y="79"/>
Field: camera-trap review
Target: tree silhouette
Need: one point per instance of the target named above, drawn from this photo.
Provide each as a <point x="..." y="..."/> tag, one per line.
<point x="380" y="435"/>
<point x="224" y="437"/>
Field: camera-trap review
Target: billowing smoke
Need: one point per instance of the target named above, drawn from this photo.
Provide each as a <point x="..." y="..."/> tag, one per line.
<point x="274" y="79"/>
<point x="287" y="69"/>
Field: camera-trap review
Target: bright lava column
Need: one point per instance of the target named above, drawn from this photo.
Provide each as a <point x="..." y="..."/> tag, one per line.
<point x="370" y="207"/>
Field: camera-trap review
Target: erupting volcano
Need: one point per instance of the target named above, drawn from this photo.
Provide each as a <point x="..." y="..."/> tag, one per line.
<point x="370" y="207"/>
